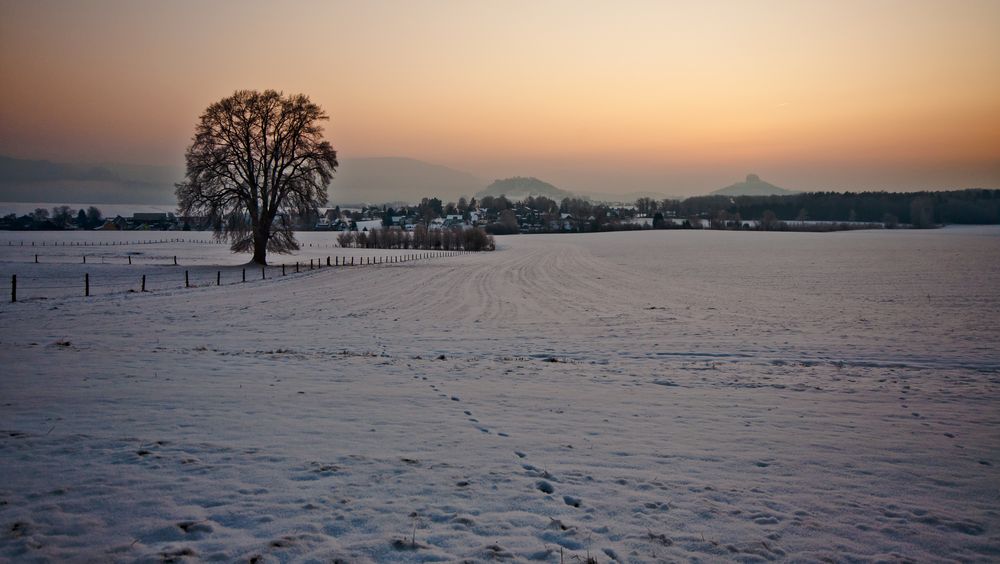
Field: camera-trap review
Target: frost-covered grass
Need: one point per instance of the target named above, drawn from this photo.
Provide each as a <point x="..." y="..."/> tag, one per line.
<point x="632" y="396"/>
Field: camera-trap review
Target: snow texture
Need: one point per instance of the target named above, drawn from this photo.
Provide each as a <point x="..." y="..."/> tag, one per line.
<point x="635" y="397"/>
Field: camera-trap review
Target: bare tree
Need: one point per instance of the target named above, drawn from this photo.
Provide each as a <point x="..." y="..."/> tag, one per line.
<point x="768" y="221"/>
<point x="509" y="221"/>
<point x="645" y="206"/>
<point x="61" y="216"/>
<point x="922" y="213"/>
<point x="257" y="159"/>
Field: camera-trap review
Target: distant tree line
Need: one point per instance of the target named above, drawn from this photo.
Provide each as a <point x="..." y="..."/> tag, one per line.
<point x="919" y="209"/>
<point x="815" y="211"/>
<point x="61" y="217"/>
<point x="453" y="239"/>
<point x="499" y="215"/>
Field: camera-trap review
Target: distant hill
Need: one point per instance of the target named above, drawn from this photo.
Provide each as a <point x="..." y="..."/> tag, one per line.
<point x="396" y="179"/>
<point x="24" y="180"/>
<point x="519" y="188"/>
<point x="363" y="180"/>
<point x="626" y="198"/>
<point x="753" y="186"/>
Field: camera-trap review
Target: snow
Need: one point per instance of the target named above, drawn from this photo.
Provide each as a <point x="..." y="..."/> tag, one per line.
<point x="60" y="269"/>
<point x="368" y="224"/>
<point x="635" y="396"/>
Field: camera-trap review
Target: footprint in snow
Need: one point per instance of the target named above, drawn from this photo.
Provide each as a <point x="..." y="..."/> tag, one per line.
<point x="192" y="527"/>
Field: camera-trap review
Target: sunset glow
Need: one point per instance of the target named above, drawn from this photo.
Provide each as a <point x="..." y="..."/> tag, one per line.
<point x="673" y="97"/>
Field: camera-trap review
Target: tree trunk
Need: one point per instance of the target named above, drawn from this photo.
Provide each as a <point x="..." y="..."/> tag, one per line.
<point x="260" y="237"/>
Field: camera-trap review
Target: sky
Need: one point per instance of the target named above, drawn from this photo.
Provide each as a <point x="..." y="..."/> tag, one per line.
<point x="672" y="97"/>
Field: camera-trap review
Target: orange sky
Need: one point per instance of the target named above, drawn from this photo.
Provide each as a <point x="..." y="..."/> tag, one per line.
<point x="674" y="97"/>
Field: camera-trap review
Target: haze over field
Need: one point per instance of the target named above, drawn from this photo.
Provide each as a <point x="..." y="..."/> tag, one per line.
<point x="670" y="98"/>
<point x="366" y="180"/>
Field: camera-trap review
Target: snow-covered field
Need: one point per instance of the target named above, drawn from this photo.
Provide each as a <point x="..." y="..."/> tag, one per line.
<point x="116" y="261"/>
<point x="642" y="396"/>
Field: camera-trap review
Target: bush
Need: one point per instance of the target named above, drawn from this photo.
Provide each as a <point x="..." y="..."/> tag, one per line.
<point x="454" y="239"/>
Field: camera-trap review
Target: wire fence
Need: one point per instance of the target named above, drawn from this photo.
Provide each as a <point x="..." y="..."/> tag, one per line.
<point x="86" y="285"/>
<point x="149" y="259"/>
<point x="20" y="243"/>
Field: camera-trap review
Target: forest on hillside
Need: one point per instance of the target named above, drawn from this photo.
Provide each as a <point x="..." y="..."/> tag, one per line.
<point x="920" y="209"/>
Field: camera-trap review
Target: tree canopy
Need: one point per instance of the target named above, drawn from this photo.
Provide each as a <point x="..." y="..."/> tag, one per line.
<point x="257" y="158"/>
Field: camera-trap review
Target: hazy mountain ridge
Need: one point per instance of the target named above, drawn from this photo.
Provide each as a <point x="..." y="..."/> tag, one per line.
<point x="753" y="186"/>
<point x="628" y="197"/>
<point x="374" y="180"/>
<point x="391" y="179"/>
<point x="520" y="187"/>
<point x="361" y="180"/>
<point x="24" y="180"/>
<point x="20" y="170"/>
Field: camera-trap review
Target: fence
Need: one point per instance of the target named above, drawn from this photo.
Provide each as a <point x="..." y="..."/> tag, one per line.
<point x="108" y="243"/>
<point x="203" y="276"/>
<point x="19" y="243"/>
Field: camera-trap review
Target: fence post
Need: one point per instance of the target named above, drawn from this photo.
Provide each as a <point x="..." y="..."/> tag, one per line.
<point x="283" y="268"/>
<point x="263" y="273"/>
<point x="175" y="260"/>
<point x="13" y="288"/>
<point x="143" y="282"/>
<point x="328" y="261"/>
<point x="310" y="264"/>
<point x="130" y="259"/>
<point x="86" y="284"/>
<point x="352" y="261"/>
<point x="218" y="278"/>
<point x="84" y="259"/>
<point x="36" y="259"/>
<point x="186" y="284"/>
<point x="244" y="275"/>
